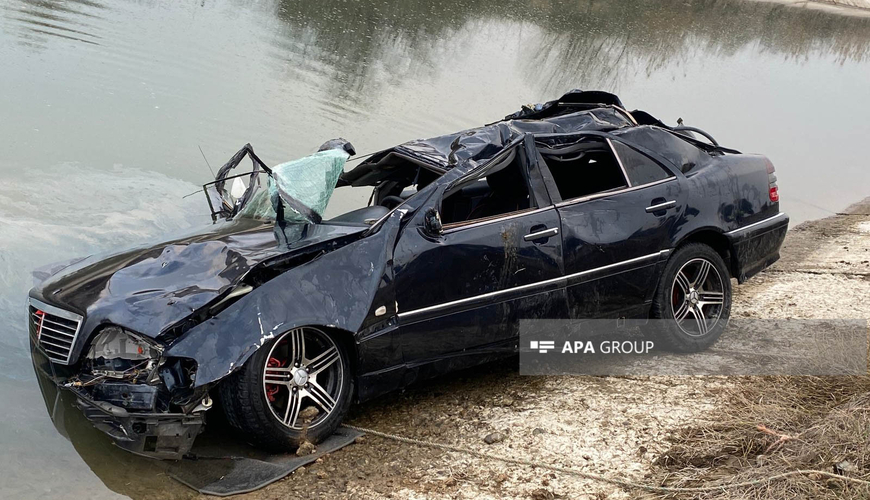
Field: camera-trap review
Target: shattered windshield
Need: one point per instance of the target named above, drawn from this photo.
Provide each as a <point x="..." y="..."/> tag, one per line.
<point x="294" y="191"/>
<point x="260" y="205"/>
<point x="301" y="188"/>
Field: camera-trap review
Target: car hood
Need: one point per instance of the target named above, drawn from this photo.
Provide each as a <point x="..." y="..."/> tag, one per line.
<point x="152" y="288"/>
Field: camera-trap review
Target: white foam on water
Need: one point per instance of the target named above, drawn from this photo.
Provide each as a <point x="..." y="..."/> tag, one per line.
<point x="73" y="210"/>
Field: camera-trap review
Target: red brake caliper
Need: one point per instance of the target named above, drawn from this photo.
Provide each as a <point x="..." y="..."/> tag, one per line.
<point x="272" y="389"/>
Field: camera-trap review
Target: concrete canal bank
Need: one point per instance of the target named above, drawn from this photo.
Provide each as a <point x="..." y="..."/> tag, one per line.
<point x="858" y="8"/>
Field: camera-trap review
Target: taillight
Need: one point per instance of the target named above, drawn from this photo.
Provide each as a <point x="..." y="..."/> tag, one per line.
<point x="773" y="190"/>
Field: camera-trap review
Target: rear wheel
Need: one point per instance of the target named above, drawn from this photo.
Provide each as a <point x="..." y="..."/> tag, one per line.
<point x="295" y="389"/>
<point x="693" y="299"/>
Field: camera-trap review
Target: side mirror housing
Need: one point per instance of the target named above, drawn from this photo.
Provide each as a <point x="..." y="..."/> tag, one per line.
<point x="432" y="222"/>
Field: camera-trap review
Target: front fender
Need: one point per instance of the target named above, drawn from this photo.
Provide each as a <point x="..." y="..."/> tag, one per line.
<point x="334" y="290"/>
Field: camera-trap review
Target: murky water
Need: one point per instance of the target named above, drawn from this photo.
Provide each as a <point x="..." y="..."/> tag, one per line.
<point x="104" y="105"/>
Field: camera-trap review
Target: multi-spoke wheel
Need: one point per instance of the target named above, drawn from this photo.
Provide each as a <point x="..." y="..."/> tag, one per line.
<point x="697" y="297"/>
<point x="303" y="377"/>
<point x="296" y="388"/>
<point x="693" y="299"/>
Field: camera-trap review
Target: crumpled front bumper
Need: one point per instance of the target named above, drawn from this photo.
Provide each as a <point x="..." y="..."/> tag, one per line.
<point x="167" y="436"/>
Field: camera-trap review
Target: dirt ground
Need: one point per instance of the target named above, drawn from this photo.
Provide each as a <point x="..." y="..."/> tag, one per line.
<point x="616" y="426"/>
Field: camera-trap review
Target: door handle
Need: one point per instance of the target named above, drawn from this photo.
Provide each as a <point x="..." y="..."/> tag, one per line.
<point x="546" y="233"/>
<point x="661" y="206"/>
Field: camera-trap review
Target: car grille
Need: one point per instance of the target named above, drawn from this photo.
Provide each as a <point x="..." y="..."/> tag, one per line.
<point x="54" y="330"/>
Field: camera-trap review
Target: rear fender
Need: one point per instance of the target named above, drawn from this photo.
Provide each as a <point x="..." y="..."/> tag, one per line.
<point x="756" y="246"/>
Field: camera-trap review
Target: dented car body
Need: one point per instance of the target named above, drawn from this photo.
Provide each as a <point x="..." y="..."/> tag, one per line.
<point x="572" y="209"/>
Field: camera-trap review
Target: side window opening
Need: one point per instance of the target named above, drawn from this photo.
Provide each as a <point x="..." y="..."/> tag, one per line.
<point x="393" y="190"/>
<point x="499" y="190"/>
<point x="586" y="168"/>
<point x="639" y="168"/>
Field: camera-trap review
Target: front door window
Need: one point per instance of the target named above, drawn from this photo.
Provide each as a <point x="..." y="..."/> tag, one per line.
<point x="495" y="192"/>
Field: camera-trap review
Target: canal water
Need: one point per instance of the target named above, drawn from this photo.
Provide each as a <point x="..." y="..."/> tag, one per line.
<point x="104" y="107"/>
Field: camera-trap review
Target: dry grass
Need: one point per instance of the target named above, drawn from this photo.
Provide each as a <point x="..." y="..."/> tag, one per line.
<point x="773" y="425"/>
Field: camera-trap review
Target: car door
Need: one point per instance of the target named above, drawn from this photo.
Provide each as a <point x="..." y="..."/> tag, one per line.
<point x="462" y="291"/>
<point x="615" y="242"/>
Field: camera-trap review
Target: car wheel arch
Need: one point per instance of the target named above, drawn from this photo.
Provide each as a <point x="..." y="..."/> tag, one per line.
<point x="300" y="296"/>
<point x="715" y="239"/>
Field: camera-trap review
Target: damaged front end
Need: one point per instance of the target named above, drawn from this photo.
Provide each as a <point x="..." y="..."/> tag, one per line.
<point x="111" y="332"/>
<point x="123" y="384"/>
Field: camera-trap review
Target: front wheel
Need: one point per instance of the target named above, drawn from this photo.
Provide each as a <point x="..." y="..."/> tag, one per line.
<point x="693" y="299"/>
<point x="295" y="389"/>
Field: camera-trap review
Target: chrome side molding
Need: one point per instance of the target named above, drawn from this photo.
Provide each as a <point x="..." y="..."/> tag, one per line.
<point x="755" y="224"/>
<point x="561" y="281"/>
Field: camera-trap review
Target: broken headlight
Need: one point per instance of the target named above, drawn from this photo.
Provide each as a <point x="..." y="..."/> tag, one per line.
<point x="120" y="354"/>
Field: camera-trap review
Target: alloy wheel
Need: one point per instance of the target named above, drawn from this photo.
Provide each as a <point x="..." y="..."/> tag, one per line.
<point x="697" y="297"/>
<point x="303" y="378"/>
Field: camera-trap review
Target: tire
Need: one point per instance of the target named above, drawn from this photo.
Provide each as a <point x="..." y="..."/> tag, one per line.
<point x="262" y="408"/>
<point x="679" y="298"/>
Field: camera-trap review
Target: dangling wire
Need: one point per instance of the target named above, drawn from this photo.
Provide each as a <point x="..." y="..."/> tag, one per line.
<point x="360" y="157"/>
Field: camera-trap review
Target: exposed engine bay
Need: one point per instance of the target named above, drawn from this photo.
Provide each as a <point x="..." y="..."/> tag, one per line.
<point x="128" y="390"/>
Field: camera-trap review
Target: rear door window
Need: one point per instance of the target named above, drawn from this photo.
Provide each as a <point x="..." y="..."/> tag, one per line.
<point x="685" y="155"/>
<point x="585" y="168"/>
<point x="639" y="168"/>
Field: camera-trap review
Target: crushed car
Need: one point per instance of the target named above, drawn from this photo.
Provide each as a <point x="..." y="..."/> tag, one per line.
<point x="574" y="208"/>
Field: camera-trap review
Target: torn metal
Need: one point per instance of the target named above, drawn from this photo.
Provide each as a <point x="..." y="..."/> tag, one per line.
<point x="296" y="191"/>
